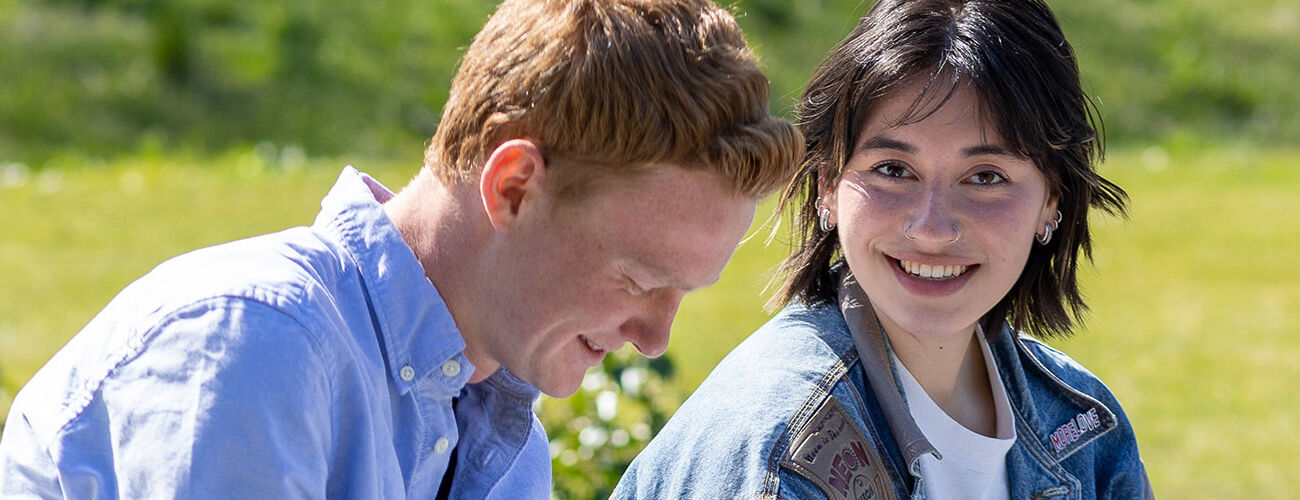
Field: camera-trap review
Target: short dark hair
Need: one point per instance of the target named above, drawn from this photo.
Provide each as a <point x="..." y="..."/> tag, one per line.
<point x="1013" y="53"/>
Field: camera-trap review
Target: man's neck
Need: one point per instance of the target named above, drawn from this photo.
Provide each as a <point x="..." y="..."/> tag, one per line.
<point x="448" y="237"/>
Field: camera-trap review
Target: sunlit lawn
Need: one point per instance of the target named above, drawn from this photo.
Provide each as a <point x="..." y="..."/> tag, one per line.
<point x="1193" y="322"/>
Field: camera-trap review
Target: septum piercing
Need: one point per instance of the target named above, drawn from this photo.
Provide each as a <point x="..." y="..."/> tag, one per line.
<point x="907" y="233"/>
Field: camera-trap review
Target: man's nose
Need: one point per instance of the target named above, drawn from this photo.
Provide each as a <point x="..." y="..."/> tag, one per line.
<point x="649" y="334"/>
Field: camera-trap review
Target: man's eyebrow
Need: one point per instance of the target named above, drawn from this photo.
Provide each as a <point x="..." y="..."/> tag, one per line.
<point x="882" y="142"/>
<point x="665" y="279"/>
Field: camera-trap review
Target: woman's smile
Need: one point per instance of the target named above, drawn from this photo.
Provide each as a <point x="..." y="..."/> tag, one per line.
<point x="931" y="273"/>
<point x="931" y="280"/>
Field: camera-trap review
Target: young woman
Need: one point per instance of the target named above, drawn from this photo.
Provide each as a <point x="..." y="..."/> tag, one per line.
<point x="944" y="211"/>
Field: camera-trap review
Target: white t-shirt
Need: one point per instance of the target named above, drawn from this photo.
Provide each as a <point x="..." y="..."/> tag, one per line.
<point x="973" y="466"/>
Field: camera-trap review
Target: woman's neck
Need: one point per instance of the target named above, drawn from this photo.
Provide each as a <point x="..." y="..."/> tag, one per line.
<point x="953" y="373"/>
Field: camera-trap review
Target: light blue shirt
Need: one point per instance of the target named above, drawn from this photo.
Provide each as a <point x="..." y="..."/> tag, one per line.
<point x="312" y="363"/>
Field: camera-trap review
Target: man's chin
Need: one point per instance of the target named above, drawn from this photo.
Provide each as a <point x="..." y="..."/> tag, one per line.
<point x="559" y="389"/>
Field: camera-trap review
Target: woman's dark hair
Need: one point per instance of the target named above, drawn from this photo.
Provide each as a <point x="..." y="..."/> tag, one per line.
<point x="1013" y="54"/>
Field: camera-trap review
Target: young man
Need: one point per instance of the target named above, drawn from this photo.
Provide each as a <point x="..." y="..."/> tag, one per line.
<point x="596" y="161"/>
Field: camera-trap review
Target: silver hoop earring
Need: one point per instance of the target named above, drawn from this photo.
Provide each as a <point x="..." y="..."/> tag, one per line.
<point x="824" y="220"/>
<point x="1048" y="229"/>
<point x="824" y="217"/>
<point x="907" y="228"/>
<point x="1046" y="236"/>
<point x="957" y="237"/>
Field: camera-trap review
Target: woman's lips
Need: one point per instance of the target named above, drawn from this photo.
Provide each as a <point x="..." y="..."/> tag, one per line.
<point x="932" y="280"/>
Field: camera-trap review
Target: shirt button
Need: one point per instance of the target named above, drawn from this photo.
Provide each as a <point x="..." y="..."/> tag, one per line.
<point x="407" y="373"/>
<point x="451" y="368"/>
<point x="441" y="446"/>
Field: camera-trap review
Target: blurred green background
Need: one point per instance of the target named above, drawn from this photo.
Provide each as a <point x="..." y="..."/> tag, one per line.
<point x="135" y="130"/>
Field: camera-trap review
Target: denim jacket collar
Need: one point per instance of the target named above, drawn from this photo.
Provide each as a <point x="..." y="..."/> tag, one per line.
<point x="873" y="347"/>
<point x="1051" y="424"/>
<point x="1046" y="413"/>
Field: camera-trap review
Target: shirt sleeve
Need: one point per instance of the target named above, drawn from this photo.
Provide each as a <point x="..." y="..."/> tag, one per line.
<point x="227" y="398"/>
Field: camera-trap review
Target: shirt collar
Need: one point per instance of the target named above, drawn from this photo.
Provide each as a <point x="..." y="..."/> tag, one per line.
<point x="412" y="320"/>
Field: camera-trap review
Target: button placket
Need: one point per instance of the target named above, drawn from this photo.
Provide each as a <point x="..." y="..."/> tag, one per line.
<point x="451" y="368"/>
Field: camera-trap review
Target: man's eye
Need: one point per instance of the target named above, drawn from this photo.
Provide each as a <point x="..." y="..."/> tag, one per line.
<point x="987" y="177"/>
<point x="632" y="287"/>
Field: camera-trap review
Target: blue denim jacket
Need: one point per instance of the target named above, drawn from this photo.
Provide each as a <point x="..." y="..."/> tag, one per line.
<point x="796" y="411"/>
<point x="312" y="363"/>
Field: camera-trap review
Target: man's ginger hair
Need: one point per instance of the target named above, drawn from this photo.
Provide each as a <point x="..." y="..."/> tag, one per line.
<point x="620" y="85"/>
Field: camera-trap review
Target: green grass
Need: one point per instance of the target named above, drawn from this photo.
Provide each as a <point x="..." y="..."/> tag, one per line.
<point x="1193" y="322"/>
<point x="101" y="78"/>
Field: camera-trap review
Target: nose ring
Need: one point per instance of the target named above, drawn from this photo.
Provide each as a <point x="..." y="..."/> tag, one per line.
<point x="908" y="228"/>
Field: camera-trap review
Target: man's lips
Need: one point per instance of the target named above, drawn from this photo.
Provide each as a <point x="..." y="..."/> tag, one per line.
<point x="592" y="345"/>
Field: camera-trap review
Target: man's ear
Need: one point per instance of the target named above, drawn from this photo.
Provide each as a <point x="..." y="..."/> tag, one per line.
<point x="512" y="176"/>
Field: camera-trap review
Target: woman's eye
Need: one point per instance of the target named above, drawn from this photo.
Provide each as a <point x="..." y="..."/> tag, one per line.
<point x="892" y="170"/>
<point x="987" y="177"/>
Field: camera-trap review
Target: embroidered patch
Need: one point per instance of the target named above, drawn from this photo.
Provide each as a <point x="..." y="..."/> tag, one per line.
<point x="832" y="452"/>
<point x="1074" y="429"/>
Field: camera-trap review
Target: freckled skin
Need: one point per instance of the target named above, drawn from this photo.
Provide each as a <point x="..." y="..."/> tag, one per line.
<point x="611" y="268"/>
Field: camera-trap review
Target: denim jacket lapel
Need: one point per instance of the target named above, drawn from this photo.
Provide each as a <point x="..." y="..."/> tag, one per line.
<point x="873" y="347"/>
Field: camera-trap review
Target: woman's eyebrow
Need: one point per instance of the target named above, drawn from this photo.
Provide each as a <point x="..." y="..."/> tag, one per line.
<point x="987" y="149"/>
<point x="882" y="142"/>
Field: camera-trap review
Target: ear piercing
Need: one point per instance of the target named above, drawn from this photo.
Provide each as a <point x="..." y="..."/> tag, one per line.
<point x="1048" y="228"/>
<point x="824" y="217"/>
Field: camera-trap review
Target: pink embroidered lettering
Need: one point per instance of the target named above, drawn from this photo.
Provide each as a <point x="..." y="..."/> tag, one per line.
<point x="860" y="452"/>
<point x="839" y="476"/>
<point x="845" y="463"/>
<point x="1075" y="428"/>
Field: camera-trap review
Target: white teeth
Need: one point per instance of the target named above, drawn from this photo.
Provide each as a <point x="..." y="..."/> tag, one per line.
<point x="592" y="345"/>
<point x="930" y="272"/>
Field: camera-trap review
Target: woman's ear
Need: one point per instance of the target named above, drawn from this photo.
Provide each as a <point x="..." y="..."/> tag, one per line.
<point x="513" y="176"/>
<point x="1050" y="208"/>
<point x="826" y="196"/>
<point x="826" y="184"/>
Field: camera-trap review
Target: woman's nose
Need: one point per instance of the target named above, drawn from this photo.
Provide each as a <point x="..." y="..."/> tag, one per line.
<point x="933" y="221"/>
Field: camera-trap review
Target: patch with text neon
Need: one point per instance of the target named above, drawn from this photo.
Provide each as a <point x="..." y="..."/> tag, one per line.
<point x="833" y="453"/>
